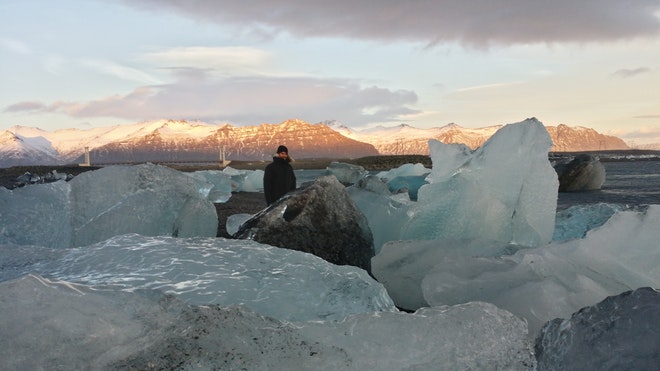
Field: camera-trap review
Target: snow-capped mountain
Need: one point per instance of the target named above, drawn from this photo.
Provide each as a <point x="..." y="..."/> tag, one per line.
<point x="405" y="139"/>
<point x="183" y="141"/>
<point x="176" y="141"/>
<point x="17" y="150"/>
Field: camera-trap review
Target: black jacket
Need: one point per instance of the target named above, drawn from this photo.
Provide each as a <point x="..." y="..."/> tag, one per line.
<point x="278" y="179"/>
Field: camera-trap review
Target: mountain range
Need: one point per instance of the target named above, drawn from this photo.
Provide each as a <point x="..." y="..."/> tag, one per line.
<point x="183" y="141"/>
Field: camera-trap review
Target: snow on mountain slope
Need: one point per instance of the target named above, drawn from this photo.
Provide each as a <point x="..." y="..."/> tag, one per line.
<point x="180" y="140"/>
<point x="406" y="139"/>
<point x="21" y="151"/>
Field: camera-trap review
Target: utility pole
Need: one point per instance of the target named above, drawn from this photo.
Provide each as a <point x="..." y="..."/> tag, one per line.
<point x="223" y="160"/>
<point x="87" y="162"/>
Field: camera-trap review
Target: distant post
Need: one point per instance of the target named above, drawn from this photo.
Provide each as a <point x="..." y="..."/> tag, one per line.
<point x="87" y="162"/>
<point x="223" y="160"/>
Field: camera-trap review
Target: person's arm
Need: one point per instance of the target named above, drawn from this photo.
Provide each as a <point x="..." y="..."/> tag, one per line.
<point x="268" y="185"/>
<point x="293" y="184"/>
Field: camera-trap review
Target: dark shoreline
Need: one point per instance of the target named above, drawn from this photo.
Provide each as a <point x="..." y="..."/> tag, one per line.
<point x="372" y="163"/>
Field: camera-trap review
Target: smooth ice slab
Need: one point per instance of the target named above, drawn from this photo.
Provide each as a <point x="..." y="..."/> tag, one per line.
<point x="346" y="173"/>
<point x="280" y="283"/>
<point x="505" y="191"/>
<point x="49" y="323"/>
<point x="556" y="280"/>
<point x="38" y="214"/>
<point x="222" y="184"/>
<point x="245" y="180"/>
<point x="96" y="205"/>
<point x="403" y="265"/>
<point x="384" y="211"/>
<point x="577" y="220"/>
<point x="473" y="336"/>
<point x="147" y="199"/>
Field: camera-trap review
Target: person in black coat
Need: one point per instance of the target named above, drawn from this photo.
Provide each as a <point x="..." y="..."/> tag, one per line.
<point x="278" y="176"/>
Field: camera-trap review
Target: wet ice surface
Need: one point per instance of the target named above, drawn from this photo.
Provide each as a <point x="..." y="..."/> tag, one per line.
<point x="280" y="283"/>
<point x="57" y="323"/>
<point x="502" y="254"/>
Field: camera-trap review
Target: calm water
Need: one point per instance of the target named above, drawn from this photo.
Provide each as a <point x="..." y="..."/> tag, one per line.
<point x="631" y="183"/>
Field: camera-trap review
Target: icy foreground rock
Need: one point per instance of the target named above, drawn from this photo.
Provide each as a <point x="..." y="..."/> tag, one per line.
<point x="58" y="323"/>
<point x="39" y="214"/>
<point x="280" y="283"/>
<point x="222" y="184"/>
<point x="96" y="205"/>
<point x="346" y="174"/>
<point x="576" y="221"/>
<point x="619" y="333"/>
<point x="245" y="180"/>
<point x="383" y="210"/>
<point x="319" y="218"/>
<point x="506" y="190"/>
<point x="556" y="280"/>
<point x="402" y="266"/>
<point x="146" y="199"/>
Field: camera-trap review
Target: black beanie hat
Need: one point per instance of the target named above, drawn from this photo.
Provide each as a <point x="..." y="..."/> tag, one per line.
<point x="282" y="149"/>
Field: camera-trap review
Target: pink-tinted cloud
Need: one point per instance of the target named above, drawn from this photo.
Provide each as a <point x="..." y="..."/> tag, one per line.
<point x="26" y="107"/>
<point x="244" y="101"/>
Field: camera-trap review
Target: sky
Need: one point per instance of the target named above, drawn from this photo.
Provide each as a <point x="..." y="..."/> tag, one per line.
<point x="91" y="63"/>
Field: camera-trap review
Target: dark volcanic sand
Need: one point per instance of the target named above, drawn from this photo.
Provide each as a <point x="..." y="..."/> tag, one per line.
<point x="239" y="203"/>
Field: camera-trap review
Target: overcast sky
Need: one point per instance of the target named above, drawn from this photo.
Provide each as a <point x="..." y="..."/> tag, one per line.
<point x="88" y="63"/>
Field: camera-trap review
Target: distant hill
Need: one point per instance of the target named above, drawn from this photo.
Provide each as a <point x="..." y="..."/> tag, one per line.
<point x="408" y="140"/>
<point x="183" y="141"/>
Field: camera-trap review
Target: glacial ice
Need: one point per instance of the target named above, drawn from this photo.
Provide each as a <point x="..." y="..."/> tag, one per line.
<point x="556" y="280"/>
<point x="96" y="205"/>
<point x="280" y="283"/>
<point x="576" y="221"/>
<point x="222" y="184"/>
<point x="235" y="221"/>
<point x="506" y="190"/>
<point x="462" y="274"/>
<point x="245" y="180"/>
<point x="404" y="170"/>
<point x="38" y="214"/>
<point x="403" y="265"/>
<point x="383" y="210"/>
<point x="410" y="184"/>
<point x="346" y="174"/>
<point x="47" y="323"/>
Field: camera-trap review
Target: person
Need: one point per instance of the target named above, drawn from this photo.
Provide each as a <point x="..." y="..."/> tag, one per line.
<point x="278" y="176"/>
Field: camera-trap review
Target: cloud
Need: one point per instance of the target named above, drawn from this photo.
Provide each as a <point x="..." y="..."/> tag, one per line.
<point x="475" y="23"/>
<point x="26" y="107"/>
<point x="627" y="73"/>
<point x="120" y="71"/>
<point x="648" y="116"/>
<point x="245" y="101"/>
<point x="641" y="136"/>
<point x="230" y="60"/>
<point x="486" y="86"/>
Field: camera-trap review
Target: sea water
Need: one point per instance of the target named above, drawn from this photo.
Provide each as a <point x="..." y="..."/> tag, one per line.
<point x="627" y="183"/>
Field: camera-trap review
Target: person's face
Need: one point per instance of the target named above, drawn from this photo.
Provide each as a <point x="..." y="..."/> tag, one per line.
<point x="283" y="155"/>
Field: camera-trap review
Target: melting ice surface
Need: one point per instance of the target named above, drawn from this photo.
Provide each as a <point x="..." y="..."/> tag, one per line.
<point x="279" y="283"/>
<point x="537" y="284"/>
<point x="481" y="253"/>
<point x="147" y="199"/>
